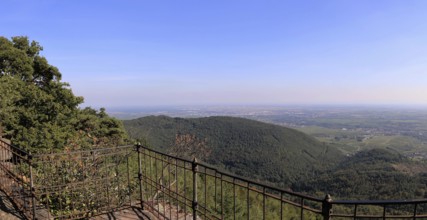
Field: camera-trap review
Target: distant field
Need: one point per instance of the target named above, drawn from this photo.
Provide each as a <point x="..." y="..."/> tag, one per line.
<point x="350" y="141"/>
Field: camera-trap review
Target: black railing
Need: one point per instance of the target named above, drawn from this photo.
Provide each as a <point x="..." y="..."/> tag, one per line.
<point x="177" y="188"/>
<point x="385" y="209"/>
<point x="69" y="185"/>
<point x="82" y="184"/>
<point x="16" y="181"/>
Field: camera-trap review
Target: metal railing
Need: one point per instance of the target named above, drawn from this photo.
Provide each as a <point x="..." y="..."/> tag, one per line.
<point x="385" y="209"/>
<point x="69" y="185"/>
<point x="16" y="181"/>
<point x="177" y="188"/>
<point x="82" y="184"/>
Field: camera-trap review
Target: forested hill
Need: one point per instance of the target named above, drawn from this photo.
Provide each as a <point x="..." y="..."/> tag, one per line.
<point x="245" y="147"/>
<point x="372" y="174"/>
<point x="284" y="156"/>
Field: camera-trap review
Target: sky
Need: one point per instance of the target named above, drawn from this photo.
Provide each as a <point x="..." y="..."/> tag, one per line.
<point x="130" y="53"/>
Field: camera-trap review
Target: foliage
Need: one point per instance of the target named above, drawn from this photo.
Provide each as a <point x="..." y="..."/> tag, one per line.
<point x="76" y="184"/>
<point x="38" y="112"/>
<point x="368" y="175"/>
<point x="286" y="158"/>
<point x="248" y="148"/>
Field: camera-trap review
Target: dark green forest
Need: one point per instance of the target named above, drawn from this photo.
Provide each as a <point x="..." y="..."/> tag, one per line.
<point x="248" y="148"/>
<point x="284" y="157"/>
<point x="371" y="174"/>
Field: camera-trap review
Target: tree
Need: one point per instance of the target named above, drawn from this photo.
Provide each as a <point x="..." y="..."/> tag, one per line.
<point x="38" y="112"/>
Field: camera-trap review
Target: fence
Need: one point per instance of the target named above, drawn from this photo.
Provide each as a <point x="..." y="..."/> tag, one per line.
<point x="82" y="184"/>
<point x="176" y="188"/>
<point x="14" y="181"/>
<point x="69" y="185"/>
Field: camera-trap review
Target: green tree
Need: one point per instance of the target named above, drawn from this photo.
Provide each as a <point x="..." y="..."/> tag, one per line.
<point x="39" y="112"/>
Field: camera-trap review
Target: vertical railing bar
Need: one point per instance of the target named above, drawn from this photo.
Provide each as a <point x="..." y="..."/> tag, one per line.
<point x="327" y="207"/>
<point x="194" y="203"/>
<point x="169" y="188"/>
<point x="384" y="211"/>
<point x="108" y="195"/>
<point x="61" y="205"/>
<point x="152" y="184"/>
<point x="222" y="197"/>
<point x="415" y="210"/>
<point x="206" y="192"/>
<point x="281" y="205"/>
<point x="355" y="212"/>
<point x="263" y="203"/>
<point x="20" y="194"/>
<point x="302" y="208"/>
<point x="156" y="182"/>
<point x="215" y="195"/>
<point x="162" y="181"/>
<point x="185" y="188"/>
<point x="176" y="188"/>
<point x="146" y="175"/>
<point x="247" y="201"/>
<point x="73" y="196"/>
<point x="234" y="198"/>
<point x="32" y="189"/>
<point x="96" y="201"/>
<point x="141" y="198"/>
<point x="117" y="161"/>
<point x="128" y="176"/>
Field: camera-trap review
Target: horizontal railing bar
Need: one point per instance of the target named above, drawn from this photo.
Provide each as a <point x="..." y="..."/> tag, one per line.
<point x="376" y="216"/>
<point x="88" y="151"/>
<point x="379" y="202"/>
<point x="14" y="147"/>
<point x="237" y="177"/>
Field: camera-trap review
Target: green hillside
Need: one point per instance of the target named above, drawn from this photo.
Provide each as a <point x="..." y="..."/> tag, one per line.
<point x="249" y="148"/>
<point x="371" y="174"/>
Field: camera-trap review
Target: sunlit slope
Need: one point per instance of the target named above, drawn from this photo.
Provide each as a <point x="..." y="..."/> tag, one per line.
<point x="249" y="148"/>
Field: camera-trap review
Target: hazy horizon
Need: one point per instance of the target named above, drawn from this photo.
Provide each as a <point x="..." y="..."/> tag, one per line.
<point x="185" y="111"/>
<point x="157" y="53"/>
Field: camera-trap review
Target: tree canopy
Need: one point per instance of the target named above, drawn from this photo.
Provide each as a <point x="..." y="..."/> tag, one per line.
<point x="39" y="112"/>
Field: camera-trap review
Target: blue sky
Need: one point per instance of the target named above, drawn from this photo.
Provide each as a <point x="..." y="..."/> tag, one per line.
<point x="144" y="53"/>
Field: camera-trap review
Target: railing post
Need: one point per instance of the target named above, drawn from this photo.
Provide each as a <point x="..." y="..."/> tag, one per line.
<point x="194" y="204"/>
<point x="327" y="207"/>
<point x="138" y="149"/>
<point x="32" y="190"/>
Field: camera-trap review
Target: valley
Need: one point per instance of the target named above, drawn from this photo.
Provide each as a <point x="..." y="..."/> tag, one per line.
<point x="363" y="156"/>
